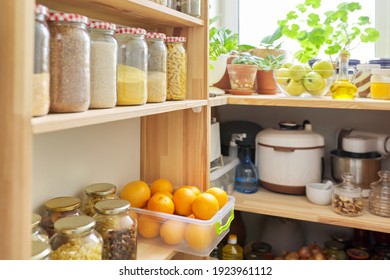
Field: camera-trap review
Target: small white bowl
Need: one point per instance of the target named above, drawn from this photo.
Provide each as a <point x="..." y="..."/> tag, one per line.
<point x="317" y="193"/>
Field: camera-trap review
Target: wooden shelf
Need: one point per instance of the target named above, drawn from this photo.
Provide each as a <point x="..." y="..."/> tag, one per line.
<point x="55" y="122"/>
<point x="298" y="207"/>
<point x="218" y="100"/>
<point x="150" y="251"/>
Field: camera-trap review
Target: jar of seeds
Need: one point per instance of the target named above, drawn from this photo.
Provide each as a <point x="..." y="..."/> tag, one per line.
<point x="76" y="239"/>
<point x="94" y="193"/>
<point x="157" y="67"/>
<point x="118" y="228"/>
<point x="176" y="69"/>
<point x="37" y="232"/>
<point x="69" y="63"/>
<point x="41" y="78"/>
<point x="379" y="198"/>
<point x="103" y="64"/>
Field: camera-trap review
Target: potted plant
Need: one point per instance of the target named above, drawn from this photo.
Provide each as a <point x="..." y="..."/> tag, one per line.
<point x="266" y="83"/>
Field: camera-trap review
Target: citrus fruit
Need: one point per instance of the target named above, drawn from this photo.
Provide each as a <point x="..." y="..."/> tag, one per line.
<point x="195" y="189"/>
<point x="205" y="206"/>
<point x="183" y="198"/>
<point x="148" y="227"/>
<point x="137" y="193"/>
<point x="219" y="194"/>
<point x="161" y="203"/>
<point x="198" y="237"/>
<point x="172" y="232"/>
<point x="161" y="185"/>
<point x="170" y="195"/>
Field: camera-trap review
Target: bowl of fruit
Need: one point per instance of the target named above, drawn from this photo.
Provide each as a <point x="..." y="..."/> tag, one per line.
<point x="303" y="80"/>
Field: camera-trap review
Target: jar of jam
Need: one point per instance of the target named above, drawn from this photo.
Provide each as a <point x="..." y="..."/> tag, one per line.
<point x="76" y="239"/>
<point x="57" y="208"/>
<point x="118" y="228"/>
<point x="37" y="232"/>
<point x="379" y="198"/>
<point x="176" y="69"/>
<point x="380" y="84"/>
<point x="94" y="193"/>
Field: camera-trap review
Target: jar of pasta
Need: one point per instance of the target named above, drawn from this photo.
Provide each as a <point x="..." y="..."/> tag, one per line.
<point x="176" y="69"/>
<point x="41" y="78"/>
<point x="76" y="239"/>
<point x="57" y="208"/>
<point x="157" y="67"/>
<point x="37" y="232"/>
<point x="94" y="193"/>
<point x="118" y="228"/>
<point x="103" y="64"/>
<point x="132" y="66"/>
<point x="69" y="63"/>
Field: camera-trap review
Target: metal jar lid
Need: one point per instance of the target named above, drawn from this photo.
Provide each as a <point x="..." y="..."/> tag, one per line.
<point x="63" y="203"/>
<point x="112" y="206"/>
<point x="261" y="247"/>
<point x="100" y="189"/>
<point x="40" y="250"/>
<point x="36" y="219"/>
<point x="74" y="224"/>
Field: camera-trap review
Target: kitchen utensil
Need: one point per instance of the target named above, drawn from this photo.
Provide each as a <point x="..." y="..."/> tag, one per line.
<point x="319" y="193"/>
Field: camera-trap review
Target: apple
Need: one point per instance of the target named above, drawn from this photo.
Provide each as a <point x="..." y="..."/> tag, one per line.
<point x="324" y="68"/>
<point x="314" y="81"/>
<point x="307" y="68"/>
<point x="286" y="65"/>
<point x="295" y="88"/>
<point x="296" y="72"/>
<point x="281" y="76"/>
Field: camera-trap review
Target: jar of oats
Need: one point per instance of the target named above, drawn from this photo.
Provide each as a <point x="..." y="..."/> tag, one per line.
<point x="103" y="64"/>
<point x="94" y="193"/>
<point x="69" y="63"/>
<point x="118" y="228"/>
<point x="76" y="239"/>
<point x="176" y="68"/>
<point x="157" y="67"/>
<point x="132" y="66"/>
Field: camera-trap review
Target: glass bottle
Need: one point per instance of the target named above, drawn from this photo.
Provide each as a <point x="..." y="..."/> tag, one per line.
<point x="37" y="232"/>
<point x="41" y="78"/>
<point x="118" y="228"/>
<point x="76" y="239"/>
<point x="232" y="251"/>
<point x="176" y="69"/>
<point x="379" y="198"/>
<point x="94" y="193"/>
<point x="246" y="178"/>
<point x="343" y="88"/>
<point x="347" y="198"/>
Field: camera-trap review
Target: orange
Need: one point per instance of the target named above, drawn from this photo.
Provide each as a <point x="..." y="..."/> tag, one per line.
<point x="183" y="198"/>
<point x="170" y="195"/>
<point x="148" y="227"/>
<point x="198" y="237"/>
<point x="205" y="206"/>
<point x="219" y="194"/>
<point x="172" y="232"/>
<point x="137" y="193"/>
<point x="161" y="203"/>
<point x="195" y="189"/>
<point x="161" y="185"/>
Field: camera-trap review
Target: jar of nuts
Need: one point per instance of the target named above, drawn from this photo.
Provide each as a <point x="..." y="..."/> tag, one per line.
<point x="176" y="69"/>
<point x="94" y="193"/>
<point x="347" y="198"/>
<point x="379" y="198"/>
<point x="117" y="226"/>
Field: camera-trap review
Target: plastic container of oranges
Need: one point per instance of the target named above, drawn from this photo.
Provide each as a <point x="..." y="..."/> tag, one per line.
<point x="185" y="234"/>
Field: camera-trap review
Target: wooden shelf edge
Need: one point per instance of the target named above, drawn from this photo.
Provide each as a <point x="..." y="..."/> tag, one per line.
<point x="218" y="100"/>
<point x="56" y="122"/>
<point x="148" y="251"/>
<point x="299" y="208"/>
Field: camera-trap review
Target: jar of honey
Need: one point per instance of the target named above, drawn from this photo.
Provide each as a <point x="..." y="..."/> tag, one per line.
<point x="380" y="84"/>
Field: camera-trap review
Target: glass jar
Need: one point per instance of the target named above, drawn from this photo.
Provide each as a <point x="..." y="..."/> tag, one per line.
<point x="132" y="66"/>
<point x="76" y="239"/>
<point x="191" y="7"/>
<point x="118" y="228"/>
<point x="362" y="78"/>
<point x="347" y="198"/>
<point x="380" y="84"/>
<point x="41" y="77"/>
<point x="104" y="49"/>
<point x="259" y="251"/>
<point x="40" y="250"/>
<point x="57" y="208"/>
<point x="69" y="63"/>
<point x="37" y="232"/>
<point x="94" y="193"/>
<point x="334" y="250"/>
<point x="357" y="254"/>
<point x="157" y="67"/>
<point x="176" y="69"/>
<point x="379" y="198"/>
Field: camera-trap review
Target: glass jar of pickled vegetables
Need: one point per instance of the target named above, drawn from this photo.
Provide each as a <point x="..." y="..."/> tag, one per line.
<point x="176" y="68"/>
<point x="379" y="198"/>
<point x="76" y="239"/>
<point x="37" y="232"/>
<point x="94" y="193"/>
<point x="118" y="228"/>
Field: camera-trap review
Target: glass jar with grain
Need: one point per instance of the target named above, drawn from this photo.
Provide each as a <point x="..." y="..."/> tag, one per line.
<point x="132" y="66"/>
<point x="157" y="67"/>
<point x="118" y="228"/>
<point x="41" y="78"/>
<point x="103" y="64"/>
<point x="69" y="63"/>
<point x="176" y="68"/>
<point x="76" y="239"/>
<point x="94" y="193"/>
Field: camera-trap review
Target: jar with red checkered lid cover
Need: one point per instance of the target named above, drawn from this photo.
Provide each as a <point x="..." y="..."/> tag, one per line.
<point x="176" y="68"/>
<point x="157" y="67"/>
<point x="132" y="66"/>
<point x="104" y="49"/>
<point x="69" y="63"/>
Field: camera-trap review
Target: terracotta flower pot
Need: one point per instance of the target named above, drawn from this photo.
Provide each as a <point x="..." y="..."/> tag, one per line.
<point x="242" y="78"/>
<point x="266" y="82"/>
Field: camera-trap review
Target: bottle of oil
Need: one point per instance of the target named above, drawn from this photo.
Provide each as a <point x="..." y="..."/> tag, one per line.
<point x="232" y="251"/>
<point x="343" y="88"/>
